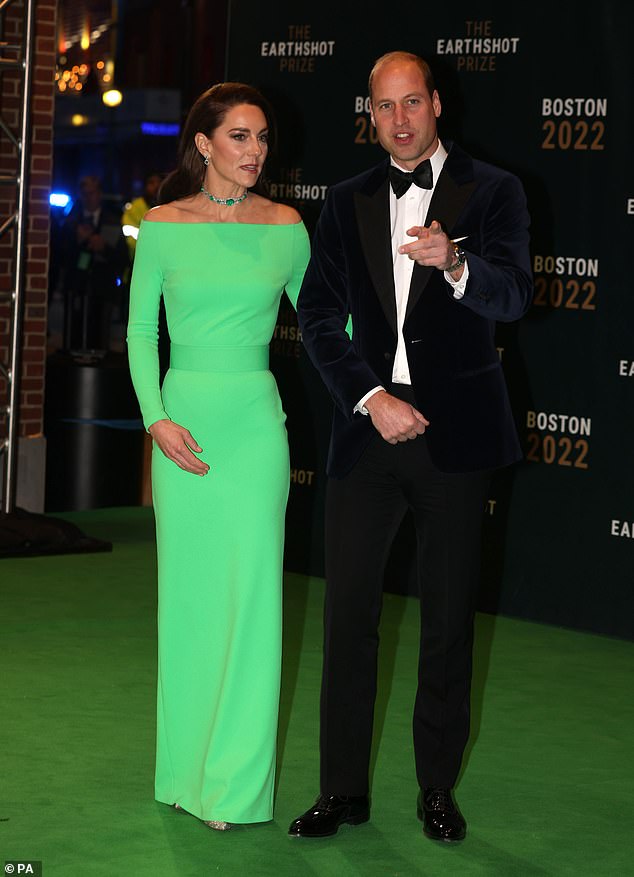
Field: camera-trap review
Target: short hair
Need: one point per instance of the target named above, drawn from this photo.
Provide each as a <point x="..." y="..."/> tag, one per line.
<point x="90" y="180"/>
<point x="422" y="65"/>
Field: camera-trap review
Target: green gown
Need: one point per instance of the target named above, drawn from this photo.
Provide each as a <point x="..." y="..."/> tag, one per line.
<point x="220" y="536"/>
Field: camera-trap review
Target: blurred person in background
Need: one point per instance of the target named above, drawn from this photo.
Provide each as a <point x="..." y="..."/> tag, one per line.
<point x="94" y="259"/>
<point x="135" y="210"/>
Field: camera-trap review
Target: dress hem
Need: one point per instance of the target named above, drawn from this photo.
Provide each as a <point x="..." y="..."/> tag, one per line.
<point x="251" y="820"/>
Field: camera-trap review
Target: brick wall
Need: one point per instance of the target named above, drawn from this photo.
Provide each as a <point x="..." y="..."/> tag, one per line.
<point x="37" y="241"/>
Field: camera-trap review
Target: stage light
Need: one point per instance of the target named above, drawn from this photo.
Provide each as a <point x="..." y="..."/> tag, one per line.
<point x="160" y="129"/>
<point x="77" y="119"/>
<point x="112" y="97"/>
<point x="84" y="42"/>
<point x="58" y="199"/>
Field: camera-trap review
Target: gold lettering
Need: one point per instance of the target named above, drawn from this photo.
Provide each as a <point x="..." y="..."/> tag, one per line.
<point x="563" y="134"/>
<point x="562" y="451"/>
<point x="297" y="65"/>
<point x="299" y="31"/>
<point x="477" y="63"/>
<point x="478" y="28"/>
<point x="302" y="477"/>
<point x="553" y="292"/>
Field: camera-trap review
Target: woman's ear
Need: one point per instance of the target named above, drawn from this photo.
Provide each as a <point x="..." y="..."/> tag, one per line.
<point x="202" y="144"/>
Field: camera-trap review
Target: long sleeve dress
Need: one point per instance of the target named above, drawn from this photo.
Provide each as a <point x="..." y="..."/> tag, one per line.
<point x="220" y="536"/>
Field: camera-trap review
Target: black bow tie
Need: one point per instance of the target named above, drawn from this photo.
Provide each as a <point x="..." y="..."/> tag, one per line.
<point x="421" y="176"/>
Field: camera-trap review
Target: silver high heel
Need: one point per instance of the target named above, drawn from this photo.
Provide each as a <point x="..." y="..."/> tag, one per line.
<point x="218" y="825"/>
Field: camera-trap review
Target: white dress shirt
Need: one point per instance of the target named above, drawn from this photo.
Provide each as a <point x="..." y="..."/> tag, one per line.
<point x="407" y="211"/>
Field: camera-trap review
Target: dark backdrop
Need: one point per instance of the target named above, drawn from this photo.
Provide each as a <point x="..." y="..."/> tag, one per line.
<point x="547" y="94"/>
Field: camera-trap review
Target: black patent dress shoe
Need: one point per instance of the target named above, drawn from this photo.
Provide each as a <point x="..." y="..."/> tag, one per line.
<point x="440" y="816"/>
<point x="328" y="813"/>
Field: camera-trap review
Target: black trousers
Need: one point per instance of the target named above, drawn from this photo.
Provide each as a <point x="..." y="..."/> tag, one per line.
<point x="363" y="513"/>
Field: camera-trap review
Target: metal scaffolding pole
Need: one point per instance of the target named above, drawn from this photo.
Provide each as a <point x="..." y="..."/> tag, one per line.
<point x="22" y="61"/>
<point x="23" y="533"/>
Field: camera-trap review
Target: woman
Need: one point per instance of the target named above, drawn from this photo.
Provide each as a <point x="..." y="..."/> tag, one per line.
<point x="220" y="255"/>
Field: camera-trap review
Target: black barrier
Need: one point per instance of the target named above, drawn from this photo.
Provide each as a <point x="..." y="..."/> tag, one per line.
<point x="94" y="436"/>
<point x="545" y="93"/>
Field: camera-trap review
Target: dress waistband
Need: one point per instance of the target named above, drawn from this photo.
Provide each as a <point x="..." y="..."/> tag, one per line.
<point x="219" y="359"/>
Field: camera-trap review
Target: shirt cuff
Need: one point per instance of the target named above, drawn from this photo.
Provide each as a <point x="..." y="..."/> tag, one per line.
<point x="459" y="286"/>
<point x="360" y="408"/>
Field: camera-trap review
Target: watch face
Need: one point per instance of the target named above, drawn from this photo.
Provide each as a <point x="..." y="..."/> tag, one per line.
<point x="459" y="259"/>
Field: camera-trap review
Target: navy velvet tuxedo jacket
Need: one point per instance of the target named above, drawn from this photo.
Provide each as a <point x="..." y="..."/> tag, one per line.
<point x="454" y="366"/>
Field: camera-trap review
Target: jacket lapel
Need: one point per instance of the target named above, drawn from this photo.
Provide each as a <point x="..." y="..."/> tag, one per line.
<point x="372" y="207"/>
<point x="454" y="188"/>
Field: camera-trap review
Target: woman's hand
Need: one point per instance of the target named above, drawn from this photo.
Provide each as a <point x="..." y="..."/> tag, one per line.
<point x="178" y="444"/>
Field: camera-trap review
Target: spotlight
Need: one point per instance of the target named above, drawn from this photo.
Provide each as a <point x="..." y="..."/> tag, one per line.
<point x="112" y="97"/>
<point x="58" y="199"/>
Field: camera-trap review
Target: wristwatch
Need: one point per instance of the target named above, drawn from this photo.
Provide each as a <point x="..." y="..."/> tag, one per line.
<point x="459" y="258"/>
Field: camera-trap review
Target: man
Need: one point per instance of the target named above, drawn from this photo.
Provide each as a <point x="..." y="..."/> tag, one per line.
<point x="135" y="211"/>
<point x="425" y="252"/>
<point x="94" y="262"/>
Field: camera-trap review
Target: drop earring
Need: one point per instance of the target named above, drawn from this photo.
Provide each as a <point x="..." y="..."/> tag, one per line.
<point x="206" y="161"/>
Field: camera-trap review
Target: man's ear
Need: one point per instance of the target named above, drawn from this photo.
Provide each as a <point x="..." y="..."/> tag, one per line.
<point x="435" y="102"/>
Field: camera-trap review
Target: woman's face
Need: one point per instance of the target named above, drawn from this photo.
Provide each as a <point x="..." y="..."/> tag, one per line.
<point x="239" y="145"/>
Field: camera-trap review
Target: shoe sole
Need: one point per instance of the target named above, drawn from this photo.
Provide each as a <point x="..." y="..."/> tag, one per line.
<point x="353" y="820"/>
<point x="446" y="840"/>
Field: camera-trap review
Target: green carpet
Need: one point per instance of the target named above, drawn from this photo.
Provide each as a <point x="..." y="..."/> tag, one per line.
<point x="547" y="789"/>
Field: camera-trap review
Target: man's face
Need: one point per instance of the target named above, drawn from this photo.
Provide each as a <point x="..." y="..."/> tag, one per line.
<point x="90" y="193"/>
<point x="404" y="113"/>
<point x="152" y="185"/>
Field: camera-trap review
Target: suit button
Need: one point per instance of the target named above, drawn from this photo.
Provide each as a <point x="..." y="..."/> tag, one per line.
<point x="387" y="355"/>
